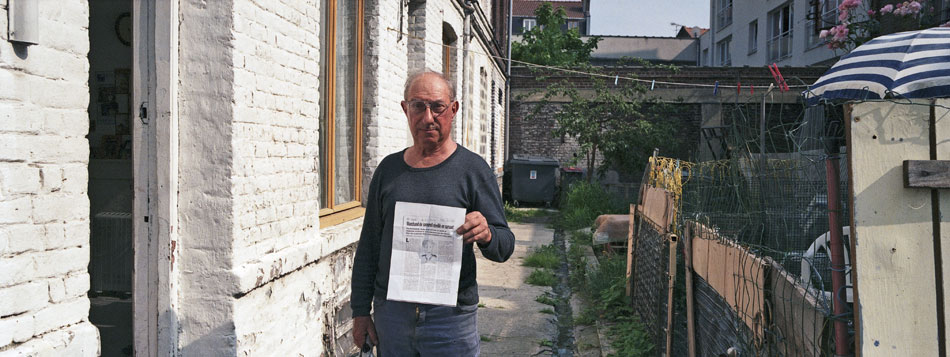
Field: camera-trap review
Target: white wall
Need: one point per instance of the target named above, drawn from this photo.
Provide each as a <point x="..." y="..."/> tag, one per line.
<point x="44" y="210"/>
<point x="746" y="11"/>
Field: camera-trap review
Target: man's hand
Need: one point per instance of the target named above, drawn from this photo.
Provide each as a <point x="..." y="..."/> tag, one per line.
<point x="475" y="229"/>
<point x="363" y="326"/>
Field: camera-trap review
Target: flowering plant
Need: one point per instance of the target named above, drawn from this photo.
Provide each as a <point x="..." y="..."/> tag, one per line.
<point x="856" y="26"/>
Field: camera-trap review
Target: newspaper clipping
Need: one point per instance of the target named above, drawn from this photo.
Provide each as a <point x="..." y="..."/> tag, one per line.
<point x="427" y="254"/>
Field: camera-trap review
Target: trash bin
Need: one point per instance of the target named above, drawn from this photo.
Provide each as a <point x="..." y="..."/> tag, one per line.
<point x="533" y="179"/>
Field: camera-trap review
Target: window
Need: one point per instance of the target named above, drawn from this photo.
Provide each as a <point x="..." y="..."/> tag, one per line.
<point x="779" y="43"/>
<point x="825" y="16"/>
<point x="529" y="24"/>
<point x="573" y="24"/>
<point x="449" y="51"/>
<point x="340" y="122"/>
<point x="722" y="47"/>
<point x="753" y="36"/>
<point x="485" y="101"/>
<point x="724" y="17"/>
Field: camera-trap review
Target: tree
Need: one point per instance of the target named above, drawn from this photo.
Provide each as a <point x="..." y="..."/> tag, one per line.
<point x="547" y="44"/>
<point x="619" y="122"/>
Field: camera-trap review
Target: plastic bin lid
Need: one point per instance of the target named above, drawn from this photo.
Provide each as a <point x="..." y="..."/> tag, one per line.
<point x="533" y="160"/>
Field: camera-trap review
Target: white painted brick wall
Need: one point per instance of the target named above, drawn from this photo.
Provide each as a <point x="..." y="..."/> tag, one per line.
<point x="43" y="123"/>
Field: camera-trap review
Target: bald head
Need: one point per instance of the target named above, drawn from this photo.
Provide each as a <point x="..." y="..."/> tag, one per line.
<point x="413" y="78"/>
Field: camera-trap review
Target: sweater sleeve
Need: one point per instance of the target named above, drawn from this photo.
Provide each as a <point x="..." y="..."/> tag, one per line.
<point x="366" y="261"/>
<point x="488" y="202"/>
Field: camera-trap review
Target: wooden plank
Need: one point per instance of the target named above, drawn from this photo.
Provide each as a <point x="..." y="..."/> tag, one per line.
<point x="628" y="289"/>
<point x="927" y="173"/>
<point x="942" y="127"/>
<point x="700" y="253"/>
<point x="731" y="275"/>
<point x="716" y="276"/>
<point x="893" y="231"/>
<point x="657" y="207"/>
<point x="796" y="322"/>
<point x="670" y="304"/>
<point x="690" y="300"/>
<point x="752" y="289"/>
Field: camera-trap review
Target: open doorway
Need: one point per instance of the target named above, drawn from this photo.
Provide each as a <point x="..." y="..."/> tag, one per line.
<point x="111" y="173"/>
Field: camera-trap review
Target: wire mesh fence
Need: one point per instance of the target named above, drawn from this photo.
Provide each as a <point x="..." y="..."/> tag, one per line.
<point x="756" y="221"/>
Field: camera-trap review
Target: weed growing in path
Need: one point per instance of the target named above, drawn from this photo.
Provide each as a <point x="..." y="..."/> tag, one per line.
<point x="545" y="299"/>
<point x="547" y="310"/>
<point x="485" y="338"/>
<point x="541" y="277"/>
<point x="524" y="215"/>
<point x="544" y="256"/>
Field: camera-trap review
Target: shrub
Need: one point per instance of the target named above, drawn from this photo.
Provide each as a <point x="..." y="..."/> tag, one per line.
<point x="544" y="256"/>
<point x="541" y="277"/>
<point x="582" y="204"/>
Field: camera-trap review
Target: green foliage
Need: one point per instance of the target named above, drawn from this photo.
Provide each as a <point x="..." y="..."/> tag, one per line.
<point x="521" y="215"/>
<point x="481" y="305"/>
<point x="604" y="289"/>
<point x="544" y="256"/>
<point x="582" y="203"/>
<point x="547" y="310"/>
<point x="617" y="121"/>
<point x="548" y="44"/>
<point x="541" y="277"/>
<point x="631" y="339"/>
<point x="485" y="338"/>
<point x="577" y="265"/>
<point x="546" y="299"/>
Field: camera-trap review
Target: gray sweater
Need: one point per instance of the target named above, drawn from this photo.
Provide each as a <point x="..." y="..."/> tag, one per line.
<point x="464" y="179"/>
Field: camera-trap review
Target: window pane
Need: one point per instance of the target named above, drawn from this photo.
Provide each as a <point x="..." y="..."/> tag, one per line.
<point x="345" y="103"/>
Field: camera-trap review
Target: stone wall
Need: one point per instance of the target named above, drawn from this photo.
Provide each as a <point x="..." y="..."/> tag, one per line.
<point x="44" y="209"/>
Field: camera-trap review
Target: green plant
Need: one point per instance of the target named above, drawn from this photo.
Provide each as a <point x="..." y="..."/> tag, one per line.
<point x="485" y="338"/>
<point x="481" y="305"/>
<point x="546" y="343"/>
<point x="583" y="202"/>
<point x="541" y="277"/>
<point x="546" y="299"/>
<point x="522" y="215"/>
<point x="547" y="44"/>
<point x="577" y="267"/>
<point x="545" y="256"/>
<point x="547" y="310"/>
<point x="630" y="339"/>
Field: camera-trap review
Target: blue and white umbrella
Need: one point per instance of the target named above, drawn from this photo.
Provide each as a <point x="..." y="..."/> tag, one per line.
<point x="914" y="64"/>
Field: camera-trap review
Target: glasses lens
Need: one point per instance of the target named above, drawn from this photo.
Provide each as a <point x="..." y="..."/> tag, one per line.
<point x="437" y="108"/>
<point x="417" y="106"/>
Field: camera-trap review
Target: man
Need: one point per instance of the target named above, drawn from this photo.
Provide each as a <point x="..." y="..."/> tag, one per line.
<point x="434" y="170"/>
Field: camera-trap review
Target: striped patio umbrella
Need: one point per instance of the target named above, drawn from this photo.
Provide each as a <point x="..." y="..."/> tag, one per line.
<point x="914" y="64"/>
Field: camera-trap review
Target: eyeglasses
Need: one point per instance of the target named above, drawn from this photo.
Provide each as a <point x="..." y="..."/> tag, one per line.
<point x="419" y="107"/>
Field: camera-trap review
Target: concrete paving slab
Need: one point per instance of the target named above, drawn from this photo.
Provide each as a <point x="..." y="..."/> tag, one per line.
<point x="510" y="322"/>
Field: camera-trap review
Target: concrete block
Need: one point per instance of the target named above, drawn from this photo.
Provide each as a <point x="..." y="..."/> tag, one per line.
<point x="76" y="284"/>
<point x="15" y="329"/>
<point x="57" y="290"/>
<point x="23" y="297"/>
<point x="19" y="178"/>
<point x="17" y="210"/>
<point x="20" y="238"/>
<point x="60" y="208"/>
<point x="75" y="179"/>
<point x="51" y="177"/>
<point x="62" y="314"/>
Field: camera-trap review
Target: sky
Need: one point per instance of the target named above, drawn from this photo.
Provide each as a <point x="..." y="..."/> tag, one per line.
<point x="646" y="17"/>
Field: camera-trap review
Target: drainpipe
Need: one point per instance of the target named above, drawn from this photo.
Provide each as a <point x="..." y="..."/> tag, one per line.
<point x="469" y="9"/>
<point x="508" y="87"/>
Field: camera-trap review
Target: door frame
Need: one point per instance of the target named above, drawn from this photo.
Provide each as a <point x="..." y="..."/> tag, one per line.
<point x="155" y="176"/>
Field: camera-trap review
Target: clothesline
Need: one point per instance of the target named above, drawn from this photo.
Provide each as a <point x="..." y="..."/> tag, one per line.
<point x="601" y="75"/>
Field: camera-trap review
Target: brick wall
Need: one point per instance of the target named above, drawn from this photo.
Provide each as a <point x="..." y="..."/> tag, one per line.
<point x="44" y="210"/>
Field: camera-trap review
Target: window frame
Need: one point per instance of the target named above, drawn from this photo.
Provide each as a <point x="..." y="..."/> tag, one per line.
<point x="525" y="22"/>
<point x="724" y="43"/>
<point x="754" y="36"/>
<point x="818" y="22"/>
<point x="775" y="39"/>
<point x="723" y="14"/>
<point x="336" y="213"/>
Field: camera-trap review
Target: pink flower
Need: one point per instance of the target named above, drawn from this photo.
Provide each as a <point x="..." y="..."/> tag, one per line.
<point x="843" y="16"/>
<point x="887" y="8"/>
<point x="840" y="32"/>
<point x="870" y="12"/>
<point x="849" y="4"/>
<point x="823" y="34"/>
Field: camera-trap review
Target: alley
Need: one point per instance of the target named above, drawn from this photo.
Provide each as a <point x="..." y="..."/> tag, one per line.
<point x="510" y="321"/>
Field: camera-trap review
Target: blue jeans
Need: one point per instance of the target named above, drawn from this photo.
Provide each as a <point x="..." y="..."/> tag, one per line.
<point x="409" y="329"/>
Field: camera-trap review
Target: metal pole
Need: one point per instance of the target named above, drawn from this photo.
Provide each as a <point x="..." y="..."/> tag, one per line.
<point x="842" y="347"/>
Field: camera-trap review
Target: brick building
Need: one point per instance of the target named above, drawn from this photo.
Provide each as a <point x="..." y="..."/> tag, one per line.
<point x="698" y="110"/>
<point x="200" y="165"/>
